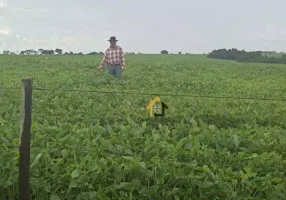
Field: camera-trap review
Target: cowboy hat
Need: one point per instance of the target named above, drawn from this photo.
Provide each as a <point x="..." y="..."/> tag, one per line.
<point x="112" y="39"/>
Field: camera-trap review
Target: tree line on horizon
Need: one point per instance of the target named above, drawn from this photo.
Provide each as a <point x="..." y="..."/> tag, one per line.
<point x="225" y="54"/>
<point x="48" y="52"/>
<point x="250" y="56"/>
<point x="60" y="52"/>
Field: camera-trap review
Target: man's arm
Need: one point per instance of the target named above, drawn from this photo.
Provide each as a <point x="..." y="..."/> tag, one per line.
<point x="104" y="59"/>
<point x="122" y="59"/>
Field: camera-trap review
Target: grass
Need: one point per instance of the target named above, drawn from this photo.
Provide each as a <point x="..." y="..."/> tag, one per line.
<point x="105" y="146"/>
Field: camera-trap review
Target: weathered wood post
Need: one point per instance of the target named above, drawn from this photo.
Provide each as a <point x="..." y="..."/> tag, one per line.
<point x="25" y="136"/>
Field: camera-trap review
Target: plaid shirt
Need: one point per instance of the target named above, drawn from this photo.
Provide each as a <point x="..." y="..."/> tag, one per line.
<point x="113" y="56"/>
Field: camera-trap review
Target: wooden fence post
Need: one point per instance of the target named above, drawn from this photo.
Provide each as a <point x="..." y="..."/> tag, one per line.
<point x="25" y="136"/>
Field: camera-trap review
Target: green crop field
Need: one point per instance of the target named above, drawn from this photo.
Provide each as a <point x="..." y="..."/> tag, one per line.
<point x="91" y="145"/>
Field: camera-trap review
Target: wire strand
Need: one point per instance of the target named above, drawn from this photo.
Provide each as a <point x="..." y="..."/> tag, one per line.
<point x="10" y="88"/>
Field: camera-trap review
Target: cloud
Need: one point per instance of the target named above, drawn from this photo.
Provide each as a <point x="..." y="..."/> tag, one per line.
<point x="4" y="32"/>
<point x="69" y="40"/>
<point x="13" y="12"/>
<point x="92" y="31"/>
<point x="28" y="9"/>
<point x="268" y="32"/>
<point x="2" y="4"/>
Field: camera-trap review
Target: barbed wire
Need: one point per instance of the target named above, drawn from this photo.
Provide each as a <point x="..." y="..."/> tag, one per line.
<point x="9" y="147"/>
<point x="10" y="88"/>
<point x="151" y="94"/>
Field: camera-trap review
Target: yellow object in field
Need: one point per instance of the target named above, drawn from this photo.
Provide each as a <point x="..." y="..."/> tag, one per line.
<point x="150" y="105"/>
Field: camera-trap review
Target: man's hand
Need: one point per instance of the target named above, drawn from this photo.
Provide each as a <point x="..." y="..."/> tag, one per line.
<point x="122" y="68"/>
<point x="99" y="68"/>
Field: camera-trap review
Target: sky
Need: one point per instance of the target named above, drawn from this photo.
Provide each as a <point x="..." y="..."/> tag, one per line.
<point x="147" y="26"/>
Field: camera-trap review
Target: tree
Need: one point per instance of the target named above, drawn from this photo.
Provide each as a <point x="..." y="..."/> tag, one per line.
<point x="30" y="51"/>
<point x="41" y="50"/>
<point x="48" y="52"/>
<point x="59" y="51"/>
<point x="93" y="53"/>
<point x="164" y="52"/>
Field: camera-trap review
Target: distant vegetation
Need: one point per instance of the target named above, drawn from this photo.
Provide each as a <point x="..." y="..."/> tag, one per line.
<point x="252" y="56"/>
<point x="48" y="52"/>
<point x="60" y="52"/>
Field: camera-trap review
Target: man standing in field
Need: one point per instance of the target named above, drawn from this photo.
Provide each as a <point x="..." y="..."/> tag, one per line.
<point x="113" y="58"/>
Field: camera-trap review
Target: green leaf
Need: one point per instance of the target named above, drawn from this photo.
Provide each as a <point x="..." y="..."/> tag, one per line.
<point x="240" y="155"/>
<point x="73" y="184"/>
<point x="75" y="173"/>
<point x="224" y="187"/>
<point x="64" y="153"/>
<point x="229" y="171"/>
<point x="193" y="122"/>
<point x="143" y="165"/>
<point x="5" y="140"/>
<point x="102" y="162"/>
<point x="212" y="127"/>
<point x="38" y="157"/>
<point x="176" y="198"/>
<point x="180" y="144"/>
<point x="55" y="197"/>
<point x="124" y="185"/>
<point x="236" y="140"/>
<point x="234" y="194"/>
<point x="188" y="145"/>
<point x="207" y="184"/>
<point x="206" y="168"/>
<point x="8" y="183"/>
<point x="92" y="194"/>
<point x="280" y="186"/>
<point x="128" y="157"/>
<point x="144" y="124"/>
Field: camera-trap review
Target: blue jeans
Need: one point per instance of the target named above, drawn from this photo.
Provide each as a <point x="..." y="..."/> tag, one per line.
<point x="114" y="70"/>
